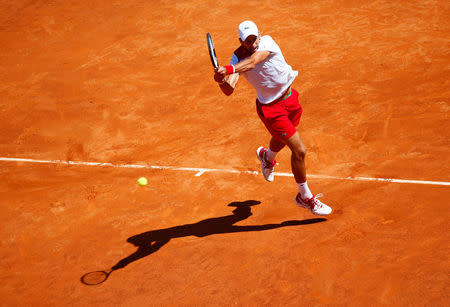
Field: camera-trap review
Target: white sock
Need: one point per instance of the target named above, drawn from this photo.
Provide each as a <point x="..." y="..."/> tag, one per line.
<point x="270" y="155"/>
<point x="303" y="188"/>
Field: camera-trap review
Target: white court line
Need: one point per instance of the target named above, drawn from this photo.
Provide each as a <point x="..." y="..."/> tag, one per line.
<point x="201" y="171"/>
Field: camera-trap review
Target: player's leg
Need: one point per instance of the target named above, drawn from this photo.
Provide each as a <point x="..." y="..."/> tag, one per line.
<point x="298" y="150"/>
<point x="267" y="157"/>
<point x="304" y="198"/>
<point x="275" y="146"/>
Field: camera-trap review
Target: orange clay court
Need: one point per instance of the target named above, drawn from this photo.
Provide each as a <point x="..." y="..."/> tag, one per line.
<point x="129" y="84"/>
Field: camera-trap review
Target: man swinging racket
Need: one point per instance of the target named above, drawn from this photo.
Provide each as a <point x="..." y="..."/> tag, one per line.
<point x="261" y="62"/>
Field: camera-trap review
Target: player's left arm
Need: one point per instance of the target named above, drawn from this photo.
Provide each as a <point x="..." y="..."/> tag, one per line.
<point x="251" y="62"/>
<point x="247" y="64"/>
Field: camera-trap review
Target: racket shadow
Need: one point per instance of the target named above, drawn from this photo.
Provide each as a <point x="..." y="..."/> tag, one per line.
<point x="151" y="241"/>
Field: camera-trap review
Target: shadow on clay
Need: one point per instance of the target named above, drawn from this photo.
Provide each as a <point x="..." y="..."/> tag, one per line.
<point x="151" y="241"/>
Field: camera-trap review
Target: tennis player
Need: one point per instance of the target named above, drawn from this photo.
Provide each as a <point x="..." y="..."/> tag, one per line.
<point x="261" y="62"/>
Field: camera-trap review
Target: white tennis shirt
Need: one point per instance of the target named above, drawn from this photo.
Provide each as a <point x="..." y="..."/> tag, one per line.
<point x="271" y="77"/>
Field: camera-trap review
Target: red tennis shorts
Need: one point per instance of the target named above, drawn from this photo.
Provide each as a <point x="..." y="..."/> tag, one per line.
<point x="281" y="117"/>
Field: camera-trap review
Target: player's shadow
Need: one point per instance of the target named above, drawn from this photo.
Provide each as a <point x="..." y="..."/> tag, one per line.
<point x="151" y="241"/>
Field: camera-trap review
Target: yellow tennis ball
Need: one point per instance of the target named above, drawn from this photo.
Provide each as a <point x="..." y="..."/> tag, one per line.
<point x="142" y="181"/>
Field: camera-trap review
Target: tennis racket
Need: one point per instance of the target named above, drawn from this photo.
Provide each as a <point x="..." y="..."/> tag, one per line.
<point x="212" y="51"/>
<point x="95" y="278"/>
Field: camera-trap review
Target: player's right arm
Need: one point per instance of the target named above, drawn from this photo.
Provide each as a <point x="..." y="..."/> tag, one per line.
<point x="227" y="83"/>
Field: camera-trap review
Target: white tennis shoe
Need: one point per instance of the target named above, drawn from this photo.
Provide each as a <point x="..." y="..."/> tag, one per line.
<point x="313" y="204"/>
<point x="266" y="166"/>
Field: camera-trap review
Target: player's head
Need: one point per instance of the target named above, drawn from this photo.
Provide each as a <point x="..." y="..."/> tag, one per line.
<point x="249" y="35"/>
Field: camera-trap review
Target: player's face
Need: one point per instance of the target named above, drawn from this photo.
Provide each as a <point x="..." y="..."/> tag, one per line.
<point x="251" y="43"/>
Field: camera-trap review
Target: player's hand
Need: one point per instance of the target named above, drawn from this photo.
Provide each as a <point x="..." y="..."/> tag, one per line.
<point x="219" y="74"/>
<point x="221" y="70"/>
